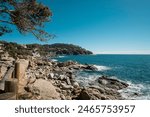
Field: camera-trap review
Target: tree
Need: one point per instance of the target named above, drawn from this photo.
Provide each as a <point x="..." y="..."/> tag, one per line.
<point x="27" y="15"/>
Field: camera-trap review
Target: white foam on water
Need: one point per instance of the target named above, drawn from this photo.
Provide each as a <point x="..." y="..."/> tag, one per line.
<point x="102" y="68"/>
<point x="61" y="56"/>
<point x="54" y="60"/>
<point x="135" y="92"/>
<point x="85" y="79"/>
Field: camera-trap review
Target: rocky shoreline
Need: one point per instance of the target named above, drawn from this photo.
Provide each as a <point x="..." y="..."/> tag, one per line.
<point x="42" y="78"/>
<point x="46" y="79"/>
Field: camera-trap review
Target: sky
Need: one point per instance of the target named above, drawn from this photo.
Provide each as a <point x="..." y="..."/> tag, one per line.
<point x="102" y="26"/>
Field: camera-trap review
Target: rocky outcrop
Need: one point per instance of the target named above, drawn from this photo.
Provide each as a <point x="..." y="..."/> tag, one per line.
<point x="60" y="82"/>
<point x="112" y="83"/>
<point x="107" y="89"/>
<point x="93" y="93"/>
<point x="40" y="78"/>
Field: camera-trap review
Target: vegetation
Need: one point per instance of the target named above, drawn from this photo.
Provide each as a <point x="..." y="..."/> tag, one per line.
<point x="17" y="50"/>
<point x="27" y="15"/>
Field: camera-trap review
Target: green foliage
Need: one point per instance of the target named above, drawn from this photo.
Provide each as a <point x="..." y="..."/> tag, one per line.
<point x="16" y="50"/>
<point x="27" y="15"/>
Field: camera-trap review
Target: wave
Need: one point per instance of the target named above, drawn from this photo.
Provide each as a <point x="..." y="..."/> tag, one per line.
<point x="54" y="60"/>
<point x="135" y="92"/>
<point x="102" y="68"/>
<point x="61" y="56"/>
<point x="85" y="78"/>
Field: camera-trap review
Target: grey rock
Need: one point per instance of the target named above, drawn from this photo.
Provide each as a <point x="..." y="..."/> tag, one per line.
<point x="65" y="86"/>
<point x="68" y="80"/>
<point x="112" y="83"/>
<point x="51" y="75"/>
<point x="75" y="84"/>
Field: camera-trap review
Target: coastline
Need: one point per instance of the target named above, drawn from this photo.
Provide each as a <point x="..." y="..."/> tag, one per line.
<point x="47" y="79"/>
<point x="59" y="78"/>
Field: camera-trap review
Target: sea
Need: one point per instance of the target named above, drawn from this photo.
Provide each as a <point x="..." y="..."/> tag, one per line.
<point x="132" y="69"/>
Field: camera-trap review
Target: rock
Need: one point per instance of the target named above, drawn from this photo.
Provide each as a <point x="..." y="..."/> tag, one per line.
<point x="95" y="94"/>
<point x="75" y="84"/>
<point x="84" y="95"/>
<point x="62" y="77"/>
<point x="60" y="64"/>
<point x="91" y="67"/>
<point x="101" y="90"/>
<point x="3" y="70"/>
<point x="112" y="83"/>
<point x="103" y="81"/>
<point x="50" y="64"/>
<point x="34" y="90"/>
<point x="66" y="69"/>
<point x="56" y="69"/>
<point x="58" y="90"/>
<point x="68" y="81"/>
<point x="32" y="64"/>
<point x="31" y="80"/>
<point x="47" y="90"/>
<point x="66" y="87"/>
<point x="66" y="64"/>
<point x="62" y="97"/>
<point x="25" y="96"/>
<point x="68" y="98"/>
<point x="51" y="75"/>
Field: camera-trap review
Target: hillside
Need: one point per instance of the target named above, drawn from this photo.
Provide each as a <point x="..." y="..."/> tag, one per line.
<point x="18" y="50"/>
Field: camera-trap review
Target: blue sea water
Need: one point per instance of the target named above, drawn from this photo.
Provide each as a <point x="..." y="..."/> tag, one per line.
<point x="133" y="69"/>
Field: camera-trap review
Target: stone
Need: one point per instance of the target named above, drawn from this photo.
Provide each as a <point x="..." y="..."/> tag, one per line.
<point x="51" y="75"/>
<point x="50" y="64"/>
<point x="65" y="86"/>
<point x="112" y="83"/>
<point x="91" y="67"/>
<point x="62" y="77"/>
<point x="3" y="70"/>
<point x="68" y="98"/>
<point x="47" y="90"/>
<point x="25" y="96"/>
<point x="68" y="81"/>
<point x="66" y="64"/>
<point x="75" y="84"/>
<point x="31" y="80"/>
<point x="103" y="82"/>
<point x="84" y="95"/>
<point x="62" y="97"/>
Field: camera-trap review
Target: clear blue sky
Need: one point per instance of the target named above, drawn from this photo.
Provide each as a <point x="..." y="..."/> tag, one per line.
<point x="102" y="26"/>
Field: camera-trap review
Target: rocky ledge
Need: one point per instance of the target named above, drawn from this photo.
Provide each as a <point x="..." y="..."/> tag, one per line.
<point x="46" y="79"/>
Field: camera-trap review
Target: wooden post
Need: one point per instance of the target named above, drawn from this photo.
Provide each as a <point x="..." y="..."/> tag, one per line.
<point x="17" y="76"/>
<point x="17" y="70"/>
<point x="11" y="85"/>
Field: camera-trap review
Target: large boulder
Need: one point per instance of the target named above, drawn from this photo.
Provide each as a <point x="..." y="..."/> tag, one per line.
<point x="47" y="90"/>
